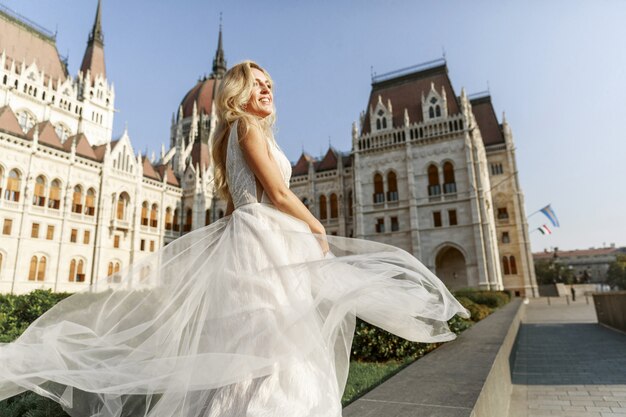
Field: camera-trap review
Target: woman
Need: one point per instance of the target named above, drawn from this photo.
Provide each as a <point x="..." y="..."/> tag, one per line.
<point x="250" y="316"/>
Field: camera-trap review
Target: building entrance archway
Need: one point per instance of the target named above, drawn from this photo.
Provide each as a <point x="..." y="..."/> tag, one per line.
<point x="451" y="268"/>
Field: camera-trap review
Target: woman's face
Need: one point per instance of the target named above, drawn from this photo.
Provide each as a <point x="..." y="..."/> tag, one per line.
<point x="260" y="103"/>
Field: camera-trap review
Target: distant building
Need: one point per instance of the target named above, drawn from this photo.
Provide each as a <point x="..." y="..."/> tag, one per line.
<point x="587" y="265"/>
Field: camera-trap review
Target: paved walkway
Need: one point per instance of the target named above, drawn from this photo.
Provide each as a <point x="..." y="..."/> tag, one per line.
<point x="566" y="364"/>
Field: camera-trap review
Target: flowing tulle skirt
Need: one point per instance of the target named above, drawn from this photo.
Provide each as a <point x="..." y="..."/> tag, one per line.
<point x="244" y="317"/>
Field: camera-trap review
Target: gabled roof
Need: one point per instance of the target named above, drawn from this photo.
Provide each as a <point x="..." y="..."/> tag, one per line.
<point x="167" y="169"/>
<point x="487" y="120"/>
<point x="23" y="42"/>
<point x="302" y="166"/>
<point x="47" y="134"/>
<point x="405" y="92"/>
<point x="82" y="146"/>
<point x="149" y="171"/>
<point x="8" y="121"/>
<point x="99" y="151"/>
<point x="329" y="161"/>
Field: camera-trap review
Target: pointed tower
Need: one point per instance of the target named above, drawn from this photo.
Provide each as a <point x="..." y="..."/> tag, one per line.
<point x="93" y="60"/>
<point x="219" y="62"/>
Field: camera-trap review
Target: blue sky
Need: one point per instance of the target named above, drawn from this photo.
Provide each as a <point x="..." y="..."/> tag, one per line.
<point x="558" y="69"/>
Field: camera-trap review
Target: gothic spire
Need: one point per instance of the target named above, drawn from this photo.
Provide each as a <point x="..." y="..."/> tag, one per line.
<point x="93" y="60"/>
<point x="219" y="63"/>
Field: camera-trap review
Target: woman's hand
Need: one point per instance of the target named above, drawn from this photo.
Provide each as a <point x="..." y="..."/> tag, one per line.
<point x="320" y="234"/>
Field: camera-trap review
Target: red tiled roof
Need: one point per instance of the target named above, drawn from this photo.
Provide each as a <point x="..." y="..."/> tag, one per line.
<point x="302" y="166"/>
<point x="487" y="120"/>
<point x="328" y="162"/>
<point x="99" y="151"/>
<point x="149" y="171"/>
<point x="23" y="43"/>
<point x="202" y="94"/>
<point x="8" y="121"/>
<point x="406" y="91"/>
<point x="47" y="134"/>
<point x="167" y="169"/>
<point x="82" y="146"/>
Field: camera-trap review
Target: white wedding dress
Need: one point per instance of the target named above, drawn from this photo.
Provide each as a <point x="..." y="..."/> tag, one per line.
<point x="242" y="318"/>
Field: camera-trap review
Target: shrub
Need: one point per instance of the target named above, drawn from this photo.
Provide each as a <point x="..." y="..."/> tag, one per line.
<point x="492" y="299"/>
<point x="17" y="312"/>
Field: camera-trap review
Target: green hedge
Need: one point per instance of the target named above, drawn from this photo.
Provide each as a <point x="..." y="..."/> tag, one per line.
<point x="491" y="299"/>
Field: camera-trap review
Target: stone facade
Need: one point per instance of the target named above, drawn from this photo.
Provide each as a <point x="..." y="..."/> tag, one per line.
<point x="432" y="173"/>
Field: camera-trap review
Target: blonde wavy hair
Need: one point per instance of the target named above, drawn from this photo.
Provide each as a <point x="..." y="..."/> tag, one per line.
<point x="232" y="96"/>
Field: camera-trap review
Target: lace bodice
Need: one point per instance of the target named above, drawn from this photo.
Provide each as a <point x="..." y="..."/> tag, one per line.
<point x="241" y="181"/>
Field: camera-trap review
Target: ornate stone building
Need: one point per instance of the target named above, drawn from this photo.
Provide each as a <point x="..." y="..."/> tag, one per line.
<point x="430" y="171"/>
<point x="75" y="204"/>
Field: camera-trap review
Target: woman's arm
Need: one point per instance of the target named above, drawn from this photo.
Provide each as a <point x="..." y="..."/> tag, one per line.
<point x="256" y="152"/>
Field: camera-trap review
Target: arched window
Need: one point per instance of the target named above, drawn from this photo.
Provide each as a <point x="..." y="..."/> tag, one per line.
<point x="505" y="265"/>
<point x="378" y="124"/>
<point x="39" y="196"/>
<point x="122" y="202"/>
<point x="77" y="200"/>
<point x="41" y="269"/>
<point x="350" y="203"/>
<point x="72" y="271"/>
<point x="449" y="185"/>
<point x="207" y="217"/>
<point x="112" y="272"/>
<point x="323" y="209"/>
<point x="431" y="112"/>
<point x="433" y="180"/>
<point x="379" y="192"/>
<point x="188" y="220"/>
<point x="154" y="215"/>
<point x="168" y="218"/>
<point x="384" y="123"/>
<point x="513" y="265"/>
<point x="392" y="186"/>
<point x="334" y="209"/>
<point x="176" y="221"/>
<point x="32" y="271"/>
<point x="54" y="196"/>
<point x="437" y="110"/>
<point x="90" y="202"/>
<point x="144" y="213"/>
<point x="80" y="273"/>
<point x="14" y="184"/>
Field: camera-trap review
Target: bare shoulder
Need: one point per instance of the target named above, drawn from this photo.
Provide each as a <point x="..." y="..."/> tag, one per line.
<point x="251" y="138"/>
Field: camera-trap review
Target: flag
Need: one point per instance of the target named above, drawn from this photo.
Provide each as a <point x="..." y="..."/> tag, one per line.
<point x="547" y="210"/>
<point x="545" y="230"/>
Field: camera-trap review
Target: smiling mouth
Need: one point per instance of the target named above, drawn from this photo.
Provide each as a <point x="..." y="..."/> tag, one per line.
<point x="265" y="100"/>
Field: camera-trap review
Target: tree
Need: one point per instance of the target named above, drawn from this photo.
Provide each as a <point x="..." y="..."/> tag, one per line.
<point x="550" y="272"/>
<point x="616" y="275"/>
